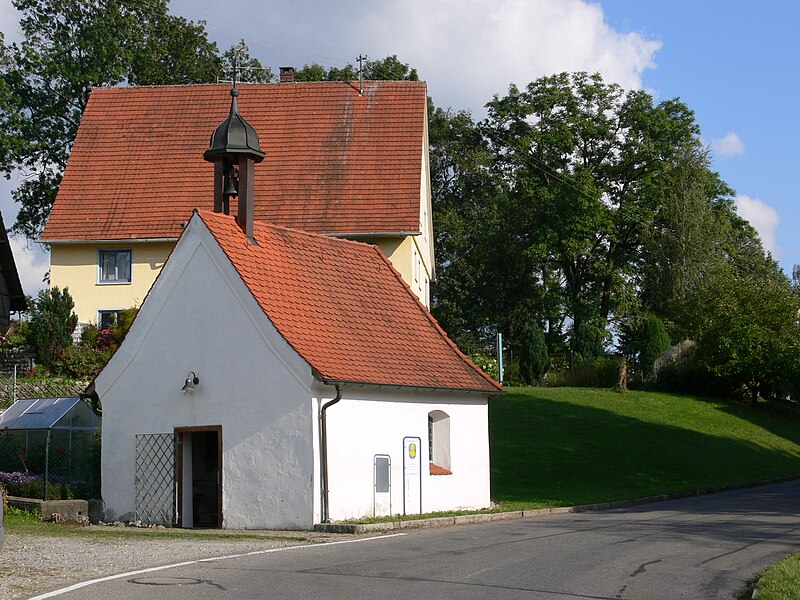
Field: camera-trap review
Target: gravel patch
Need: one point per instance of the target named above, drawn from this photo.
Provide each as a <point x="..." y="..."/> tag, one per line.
<point x="32" y="564"/>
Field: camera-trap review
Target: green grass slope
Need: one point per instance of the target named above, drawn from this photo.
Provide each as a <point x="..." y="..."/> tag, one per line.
<point x="569" y="446"/>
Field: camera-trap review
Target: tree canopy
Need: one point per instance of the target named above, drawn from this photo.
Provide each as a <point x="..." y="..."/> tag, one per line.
<point x="589" y="209"/>
<point x="575" y="210"/>
<point x="69" y="47"/>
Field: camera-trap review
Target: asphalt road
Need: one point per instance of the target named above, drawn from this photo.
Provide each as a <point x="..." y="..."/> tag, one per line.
<point x="706" y="547"/>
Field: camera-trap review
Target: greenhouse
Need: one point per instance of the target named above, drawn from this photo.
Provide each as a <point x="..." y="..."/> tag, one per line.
<point x="49" y="448"/>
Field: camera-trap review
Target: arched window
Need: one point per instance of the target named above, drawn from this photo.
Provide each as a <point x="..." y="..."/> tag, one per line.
<point x="439" y="442"/>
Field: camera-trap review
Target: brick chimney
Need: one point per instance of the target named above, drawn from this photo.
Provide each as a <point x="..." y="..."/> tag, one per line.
<point x="287" y="74"/>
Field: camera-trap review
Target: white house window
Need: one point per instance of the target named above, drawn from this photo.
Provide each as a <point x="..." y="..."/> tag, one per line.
<point x="114" y="266"/>
<point x="439" y="442"/>
<point x="107" y="318"/>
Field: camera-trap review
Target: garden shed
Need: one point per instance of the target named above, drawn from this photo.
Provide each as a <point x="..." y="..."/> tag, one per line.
<point x="48" y="444"/>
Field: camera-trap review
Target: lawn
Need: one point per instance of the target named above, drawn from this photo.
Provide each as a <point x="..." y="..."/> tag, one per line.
<point x="569" y="446"/>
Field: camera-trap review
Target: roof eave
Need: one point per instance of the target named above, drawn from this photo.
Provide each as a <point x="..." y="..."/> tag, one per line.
<point x="406" y="387"/>
<point x="108" y="240"/>
<point x="378" y="234"/>
<point x="9" y="266"/>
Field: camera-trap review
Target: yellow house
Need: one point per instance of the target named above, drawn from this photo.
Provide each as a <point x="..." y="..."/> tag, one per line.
<point x="340" y="161"/>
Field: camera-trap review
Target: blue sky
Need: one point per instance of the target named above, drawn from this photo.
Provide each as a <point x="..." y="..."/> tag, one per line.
<point x="735" y="63"/>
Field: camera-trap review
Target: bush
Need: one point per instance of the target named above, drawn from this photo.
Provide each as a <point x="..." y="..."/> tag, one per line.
<point x="89" y="335"/>
<point x="654" y="341"/>
<point x="511" y="375"/>
<point x="81" y="362"/>
<point x="691" y="378"/>
<point x="106" y="339"/>
<point x="124" y="321"/>
<point x="601" y="373"/>
<point x="486" y="363"/>
<point x="533" y="357"/>
<point x="19" y="331"/>
<point x="52" y="324"/>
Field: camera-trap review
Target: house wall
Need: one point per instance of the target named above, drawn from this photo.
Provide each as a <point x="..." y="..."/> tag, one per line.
<point x="425" y="239"/>
<point x="252" y="384"/>
<point x="404" y="253"/>
<point x="75" y="266"/>
<point x="369" y="422"/>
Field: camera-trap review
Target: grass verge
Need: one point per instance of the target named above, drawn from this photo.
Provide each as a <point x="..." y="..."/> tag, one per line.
<point x="781" y="581"/>
<point x="21" y="522"/>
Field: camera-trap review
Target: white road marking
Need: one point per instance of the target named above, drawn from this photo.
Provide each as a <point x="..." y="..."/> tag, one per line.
<point x="84" y="584"/>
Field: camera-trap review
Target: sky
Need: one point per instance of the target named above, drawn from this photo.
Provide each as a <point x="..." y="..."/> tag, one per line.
<point x="734" y="62"/>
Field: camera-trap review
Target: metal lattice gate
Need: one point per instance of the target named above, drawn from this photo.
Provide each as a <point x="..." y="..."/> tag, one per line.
<point x="154" y="478"/>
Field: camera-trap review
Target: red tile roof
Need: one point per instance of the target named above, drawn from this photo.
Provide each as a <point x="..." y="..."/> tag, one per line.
<point x="337" y="162"/>
<point x="344" y="308"/>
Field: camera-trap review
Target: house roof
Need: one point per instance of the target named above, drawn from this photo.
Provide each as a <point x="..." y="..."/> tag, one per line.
<point x="8" y="266"/>
<point x="344" y="308"/>
<point x="337" y="162"/>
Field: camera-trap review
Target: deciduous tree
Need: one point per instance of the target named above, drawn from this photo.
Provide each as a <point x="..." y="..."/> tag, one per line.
<point x="746" y="327"/>
<point x="70" y="46"/>
<point x="583" y="162"/>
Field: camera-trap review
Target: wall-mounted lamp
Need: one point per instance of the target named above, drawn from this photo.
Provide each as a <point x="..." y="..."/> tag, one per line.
<point x="191" y="381"/>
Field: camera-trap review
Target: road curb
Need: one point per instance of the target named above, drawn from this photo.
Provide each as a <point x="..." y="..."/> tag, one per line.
<point x="476" y="518"/>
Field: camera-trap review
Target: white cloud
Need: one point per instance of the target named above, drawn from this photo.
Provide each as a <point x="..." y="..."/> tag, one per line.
<point x="764" y="219"/>
<point x="728" y="145"/>
<point x="469" y="50"/>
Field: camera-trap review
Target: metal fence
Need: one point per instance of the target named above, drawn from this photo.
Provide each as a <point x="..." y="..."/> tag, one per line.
<point x="14" y="384"/>
<point x="51" y="464"/>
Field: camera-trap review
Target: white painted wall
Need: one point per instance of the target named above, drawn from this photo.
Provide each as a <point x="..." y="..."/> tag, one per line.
<point x="200" y="317"/>
<point x="374" y="421"/>
<point x="252" y="383"/>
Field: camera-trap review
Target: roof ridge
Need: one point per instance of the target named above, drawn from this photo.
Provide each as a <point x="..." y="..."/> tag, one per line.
<point x="433" y="321"/>
<point x="227" y="84"/>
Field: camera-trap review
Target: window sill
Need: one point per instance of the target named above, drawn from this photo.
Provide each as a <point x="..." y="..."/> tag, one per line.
<point x="113" y="283"/>
<point x="437" y="470"/>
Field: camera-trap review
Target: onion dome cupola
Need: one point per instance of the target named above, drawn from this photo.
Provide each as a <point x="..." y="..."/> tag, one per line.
<point x="234" y="137"/>
<point x="234" y="150"/>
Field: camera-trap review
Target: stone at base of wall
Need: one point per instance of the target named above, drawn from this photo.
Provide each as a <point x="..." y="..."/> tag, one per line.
<point x="96" y="510"/>
<point x="60" y="511"/>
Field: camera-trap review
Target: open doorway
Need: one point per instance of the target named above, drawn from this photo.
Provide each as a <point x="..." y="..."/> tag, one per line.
<point x="200" y="476"/>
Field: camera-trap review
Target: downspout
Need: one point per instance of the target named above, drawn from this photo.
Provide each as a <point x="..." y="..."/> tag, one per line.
<point x="325" y="516"/>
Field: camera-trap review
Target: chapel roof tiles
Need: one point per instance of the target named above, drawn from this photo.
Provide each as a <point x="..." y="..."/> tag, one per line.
<point x="344" y="308"/>
<point x="337" y="162"/>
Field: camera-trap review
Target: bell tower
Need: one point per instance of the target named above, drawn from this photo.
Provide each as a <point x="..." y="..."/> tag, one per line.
<point x="235" y="150"/>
